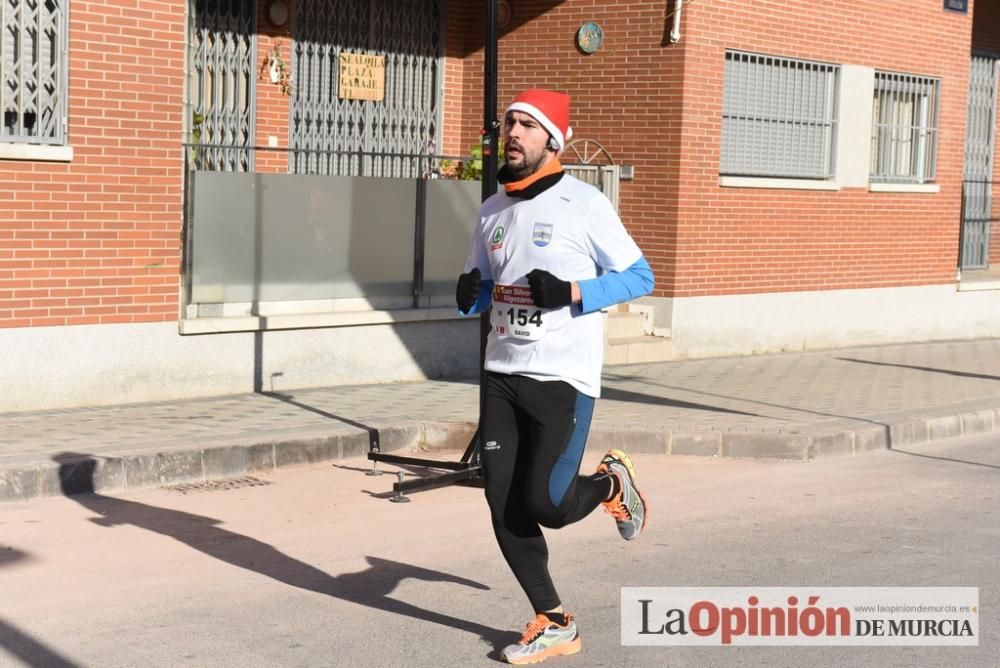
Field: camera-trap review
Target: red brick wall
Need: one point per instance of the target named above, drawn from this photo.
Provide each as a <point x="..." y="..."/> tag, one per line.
<point x="626" y="96"/>
<point x="986" y="36"/>
<point x="461" y="21"/>
<point x="468" y="114"/>
<point x="97" y="240"/>
<point x="740" y="240"/>
<point x="658" y="107"/>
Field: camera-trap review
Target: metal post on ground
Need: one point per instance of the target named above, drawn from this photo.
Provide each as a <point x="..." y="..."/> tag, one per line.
<point x="491" y="141"/>
<point x="467" y="469"/>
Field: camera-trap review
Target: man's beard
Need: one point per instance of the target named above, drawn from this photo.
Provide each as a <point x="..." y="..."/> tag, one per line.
<point x="527" y="166"/>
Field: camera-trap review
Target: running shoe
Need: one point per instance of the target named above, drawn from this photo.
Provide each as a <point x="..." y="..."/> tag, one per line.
<point x="543" y="638"/>
<point x="628" y="506"/>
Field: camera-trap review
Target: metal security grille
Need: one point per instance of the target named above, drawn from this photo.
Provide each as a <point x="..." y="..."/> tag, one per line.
<point x="779" y="116"/>
<point x="980" y="149"/>
<point x="905" y="115"/>
<point x="329" y="135"/>
<point x="222" y="84"/>
<point x="33" y="70"/>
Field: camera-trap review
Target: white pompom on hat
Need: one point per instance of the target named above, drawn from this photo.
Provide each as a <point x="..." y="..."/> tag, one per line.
<point x="549" y="108"/>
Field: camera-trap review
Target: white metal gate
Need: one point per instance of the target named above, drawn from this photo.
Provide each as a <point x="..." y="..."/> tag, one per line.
<point x="590" y="162"/>
<point x="980" y="148"/>
<point x="329" y="135"/>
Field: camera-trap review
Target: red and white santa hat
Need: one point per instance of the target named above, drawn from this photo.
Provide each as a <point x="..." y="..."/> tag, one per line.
<point x="549" y="108"/>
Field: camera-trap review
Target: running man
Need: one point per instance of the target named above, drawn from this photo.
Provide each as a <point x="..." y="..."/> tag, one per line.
<point x="548" y="254"/>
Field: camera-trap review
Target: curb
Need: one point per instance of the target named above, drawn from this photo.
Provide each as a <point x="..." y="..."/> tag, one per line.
<point x="841" y="438"/>
<point x="81" y="473"/>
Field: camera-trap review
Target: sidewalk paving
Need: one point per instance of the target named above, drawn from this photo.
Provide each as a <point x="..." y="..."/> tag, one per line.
<point x="791" y="405"/>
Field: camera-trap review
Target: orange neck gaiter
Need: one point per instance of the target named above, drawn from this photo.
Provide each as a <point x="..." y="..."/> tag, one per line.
<point x="551" y="167"/>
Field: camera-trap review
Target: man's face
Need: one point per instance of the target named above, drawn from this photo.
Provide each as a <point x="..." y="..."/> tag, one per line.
<point x="524" y="142"/>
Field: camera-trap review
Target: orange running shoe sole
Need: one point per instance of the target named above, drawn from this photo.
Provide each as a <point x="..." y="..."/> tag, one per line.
<point x="558" y="650"/>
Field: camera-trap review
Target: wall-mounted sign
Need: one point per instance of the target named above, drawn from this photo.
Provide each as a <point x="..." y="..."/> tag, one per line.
<point x="362" y="77"/>
<point x="957" y="5"/>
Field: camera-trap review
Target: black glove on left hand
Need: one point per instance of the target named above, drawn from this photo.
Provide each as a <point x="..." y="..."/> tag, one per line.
<point x="547" y="291"/>
<point x="467" y="289"/>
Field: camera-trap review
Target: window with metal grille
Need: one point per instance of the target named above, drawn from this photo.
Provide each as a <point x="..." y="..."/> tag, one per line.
<point x="33" y="71"/>
<point x="779" y="117"/>
<point x="904" y="128"/>
<point x="331" y="135"/>
<point x="222" y="92"/>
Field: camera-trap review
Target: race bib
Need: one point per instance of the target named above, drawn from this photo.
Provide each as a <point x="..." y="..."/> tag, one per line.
<point x="515" y="314"/>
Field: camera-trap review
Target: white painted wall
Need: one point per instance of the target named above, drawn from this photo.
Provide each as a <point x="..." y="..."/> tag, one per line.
<point x="789" y="321"/>
<point x="61" y="367"/>
<point x="854" y="134"/>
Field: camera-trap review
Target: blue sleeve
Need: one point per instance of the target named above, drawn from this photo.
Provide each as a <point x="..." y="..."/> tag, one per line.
<point x="615" y="287"/>
<point x="484" y="299"/>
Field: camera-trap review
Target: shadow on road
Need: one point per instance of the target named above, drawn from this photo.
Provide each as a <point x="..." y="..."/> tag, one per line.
<point x="290" y="400"/>
<point x="371" y="587"/>
<point x="607" y="392"/>
<point x="945" y="459"/>
<point x="949" y="372"/>
<point x="615" y="394"/>
<point x="33" y="653"/>
<point x="16" y="642"/>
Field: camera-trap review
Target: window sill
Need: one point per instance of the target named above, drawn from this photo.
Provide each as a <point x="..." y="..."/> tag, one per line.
<point x="251" y="323"/>
<point x="37" y="152"/>
<point x="904" y="187"/>
<point x="770" y="182"/>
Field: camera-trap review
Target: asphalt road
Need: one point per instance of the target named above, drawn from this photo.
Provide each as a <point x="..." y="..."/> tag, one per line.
<point x="312" y="568"/>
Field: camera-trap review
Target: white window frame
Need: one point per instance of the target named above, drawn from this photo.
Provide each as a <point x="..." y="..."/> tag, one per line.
<point x="905" y="118"/>
<point x="34" y="73"/>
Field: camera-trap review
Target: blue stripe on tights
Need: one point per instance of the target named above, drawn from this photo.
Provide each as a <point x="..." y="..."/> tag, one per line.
<point x="568" y="465"/>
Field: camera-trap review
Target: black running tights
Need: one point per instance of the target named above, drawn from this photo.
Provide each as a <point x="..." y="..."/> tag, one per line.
<point x="532" y="436"/>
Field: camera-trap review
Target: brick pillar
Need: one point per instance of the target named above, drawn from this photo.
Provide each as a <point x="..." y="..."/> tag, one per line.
<point x="273" y="99"/>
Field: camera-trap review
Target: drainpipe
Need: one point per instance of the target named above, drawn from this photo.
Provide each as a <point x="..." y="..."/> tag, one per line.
<point x="675" y="32"/>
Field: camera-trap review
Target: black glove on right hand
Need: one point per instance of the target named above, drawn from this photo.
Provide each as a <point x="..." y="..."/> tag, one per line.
<point x="547" y="291"/>
<point x="467" y="290"/>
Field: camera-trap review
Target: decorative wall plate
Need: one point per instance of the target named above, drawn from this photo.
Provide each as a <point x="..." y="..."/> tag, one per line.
<point x="277" y="13"/>
<point x="503" y="14"/>
<point x="589" y="37"/>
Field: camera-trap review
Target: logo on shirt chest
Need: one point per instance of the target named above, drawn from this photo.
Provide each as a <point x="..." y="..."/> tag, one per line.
<point x="542" y="234"/>
<point x="497" y="238"/>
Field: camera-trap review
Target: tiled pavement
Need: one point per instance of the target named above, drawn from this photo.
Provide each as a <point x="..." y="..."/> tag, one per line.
<point x="795" y="405"/>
